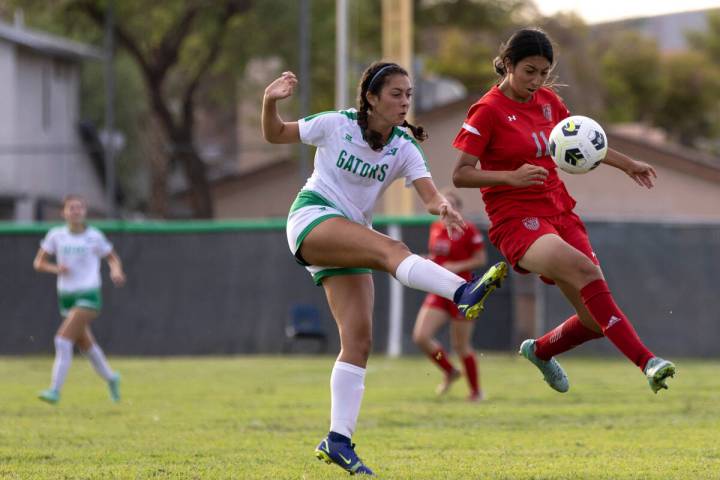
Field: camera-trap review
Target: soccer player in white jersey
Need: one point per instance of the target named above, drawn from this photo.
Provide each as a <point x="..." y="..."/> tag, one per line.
<point x="78" y="249"/>
<point x="359" y="153"/>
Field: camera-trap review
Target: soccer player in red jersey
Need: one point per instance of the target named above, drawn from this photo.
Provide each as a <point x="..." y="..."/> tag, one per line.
<point x="461" y="254"/>
<point x="531" y="212"/>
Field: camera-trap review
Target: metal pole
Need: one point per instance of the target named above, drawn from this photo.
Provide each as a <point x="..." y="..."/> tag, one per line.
<point x="341" y="47"/>
<point x="109" y="110"/>
<point x="305" y="80"/>
<point x="395" y="313"/>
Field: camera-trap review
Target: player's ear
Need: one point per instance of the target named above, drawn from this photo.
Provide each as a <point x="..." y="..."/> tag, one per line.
<point x="509" y="67"/>
<point x="372" y="99"/>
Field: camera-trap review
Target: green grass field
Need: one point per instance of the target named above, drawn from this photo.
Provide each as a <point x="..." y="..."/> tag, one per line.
<point x="261" y="417"/>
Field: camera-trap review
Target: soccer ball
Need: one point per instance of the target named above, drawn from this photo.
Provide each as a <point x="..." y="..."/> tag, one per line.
<point x="578" y="144"/>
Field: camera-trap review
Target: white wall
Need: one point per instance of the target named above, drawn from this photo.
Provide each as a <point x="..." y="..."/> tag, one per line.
<point x="47" y="114"/>
<point x="7" y="114"/>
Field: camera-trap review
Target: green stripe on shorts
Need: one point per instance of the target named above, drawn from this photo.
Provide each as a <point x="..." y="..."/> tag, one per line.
<point x="307" y="198"/>
<point x="90" y="299"/>
<point x="331" y="272"/>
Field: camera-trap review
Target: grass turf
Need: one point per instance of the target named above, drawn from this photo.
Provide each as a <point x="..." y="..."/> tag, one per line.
<point x="261" y="417"/>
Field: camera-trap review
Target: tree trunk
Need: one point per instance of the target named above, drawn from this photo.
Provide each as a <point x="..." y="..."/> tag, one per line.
<point x="196" y="174"/>
<point x="153" y="146"/>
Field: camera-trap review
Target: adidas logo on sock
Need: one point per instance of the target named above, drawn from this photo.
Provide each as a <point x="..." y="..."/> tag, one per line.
<point x="613" y="320"/>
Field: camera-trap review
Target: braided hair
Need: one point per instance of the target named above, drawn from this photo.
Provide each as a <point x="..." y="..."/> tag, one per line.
<point x="372" y="81"/>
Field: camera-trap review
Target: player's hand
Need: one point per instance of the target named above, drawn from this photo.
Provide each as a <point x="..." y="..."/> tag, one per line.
<point x="117" y="276"/>
<point x="527" y="175"/>
<point x="281" y="87"/>
<point x="642" y="173"/>
<point x="62" y="269"/>
<point x="454" y="222"/>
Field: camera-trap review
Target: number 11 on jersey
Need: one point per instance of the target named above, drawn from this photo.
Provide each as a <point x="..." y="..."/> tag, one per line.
<point x="539" y="152"/>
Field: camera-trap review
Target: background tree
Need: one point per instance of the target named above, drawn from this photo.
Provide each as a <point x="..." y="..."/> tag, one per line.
<point x="689" y="109"/>
<point x="460" y="38"/>
<point x="632" y="77"/>
<point x="175" y="47"/>
<point x="708" y="44"/>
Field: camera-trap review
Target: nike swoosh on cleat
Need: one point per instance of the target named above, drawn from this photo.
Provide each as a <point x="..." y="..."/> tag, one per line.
<point x="480" y="284"/>
<point x="344" y="459"/>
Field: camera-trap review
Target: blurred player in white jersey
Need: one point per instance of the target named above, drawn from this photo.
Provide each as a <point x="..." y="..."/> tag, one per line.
<point x="78" y="249"/>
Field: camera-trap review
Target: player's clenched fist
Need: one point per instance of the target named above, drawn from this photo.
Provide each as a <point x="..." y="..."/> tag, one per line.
<point x="281" y="87"/>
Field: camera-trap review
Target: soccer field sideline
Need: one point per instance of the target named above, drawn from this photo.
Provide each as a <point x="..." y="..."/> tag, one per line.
<point x="261" y="417"/>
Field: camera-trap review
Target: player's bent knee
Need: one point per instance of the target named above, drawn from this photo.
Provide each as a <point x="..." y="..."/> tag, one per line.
<point x="393" y="254"/>
<point x="587" y="272"/>
<point x="362" y="347"/>
<point x="420" y="338"/>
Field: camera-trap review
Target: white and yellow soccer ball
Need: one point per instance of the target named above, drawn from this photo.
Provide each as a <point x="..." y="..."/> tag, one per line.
<point x="578" y="144"/>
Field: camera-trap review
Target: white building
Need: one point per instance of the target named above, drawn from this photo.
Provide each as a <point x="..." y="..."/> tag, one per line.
<point x="42" y="157"/>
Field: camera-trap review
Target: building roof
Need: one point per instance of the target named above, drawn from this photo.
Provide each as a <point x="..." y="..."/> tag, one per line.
<point x="47" y="44"/>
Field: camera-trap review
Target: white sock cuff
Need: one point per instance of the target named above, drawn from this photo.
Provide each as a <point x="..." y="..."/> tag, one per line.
<point x="350" y="368"/>
<point x="403" y="270"/>
<point x="63" y="343"/>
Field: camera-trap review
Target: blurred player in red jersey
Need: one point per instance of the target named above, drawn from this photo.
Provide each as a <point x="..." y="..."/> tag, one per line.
<point x="531" y="212"/>
<point x="461" y="254"/>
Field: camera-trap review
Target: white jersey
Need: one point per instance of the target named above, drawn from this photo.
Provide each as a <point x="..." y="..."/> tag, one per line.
<point x="80" y="253"/>
<point x="348" y="172"/>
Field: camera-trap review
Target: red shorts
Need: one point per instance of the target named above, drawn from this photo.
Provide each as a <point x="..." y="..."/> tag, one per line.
<point x="441" y="303"/>
<point x="514" y="236"/>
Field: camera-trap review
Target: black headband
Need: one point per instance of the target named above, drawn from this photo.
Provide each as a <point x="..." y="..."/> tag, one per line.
<point x="377" y="74"/>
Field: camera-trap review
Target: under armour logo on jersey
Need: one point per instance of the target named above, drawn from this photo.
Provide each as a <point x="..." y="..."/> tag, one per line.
<point x="512" y="118"/>
<point x="348" y="137"/>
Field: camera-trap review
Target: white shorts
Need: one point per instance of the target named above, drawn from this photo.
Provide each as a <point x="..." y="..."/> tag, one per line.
<point x="307" y="212"/>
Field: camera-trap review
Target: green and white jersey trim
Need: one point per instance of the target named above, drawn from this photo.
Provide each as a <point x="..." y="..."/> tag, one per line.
<point x="348" y="173"/>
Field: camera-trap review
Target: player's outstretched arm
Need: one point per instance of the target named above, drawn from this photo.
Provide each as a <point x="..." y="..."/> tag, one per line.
<point x="275" y="130"/>
<point x="641" y="172"/>
<point x="437" y="204"/>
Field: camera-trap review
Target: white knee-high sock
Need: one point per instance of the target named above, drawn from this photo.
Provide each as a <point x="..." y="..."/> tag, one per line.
<point x="99" y="362"/>
<point x="426" y="275"/>
<point x="347" y="385"/>
<point x="63" y="360"/>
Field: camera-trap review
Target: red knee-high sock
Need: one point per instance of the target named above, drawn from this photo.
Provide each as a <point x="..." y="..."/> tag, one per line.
<point x="471" y="373"/>
<point x="564" y="337"/>
<point x="616" y="327"/>
<point x="440" y="358"/>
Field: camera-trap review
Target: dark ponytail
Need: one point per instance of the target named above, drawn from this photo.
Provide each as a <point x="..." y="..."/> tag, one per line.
<point x="372" y="81"/>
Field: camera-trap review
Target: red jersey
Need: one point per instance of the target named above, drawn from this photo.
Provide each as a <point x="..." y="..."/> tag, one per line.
<point x="443" y="249"/>
<point x="505" y="134"/>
